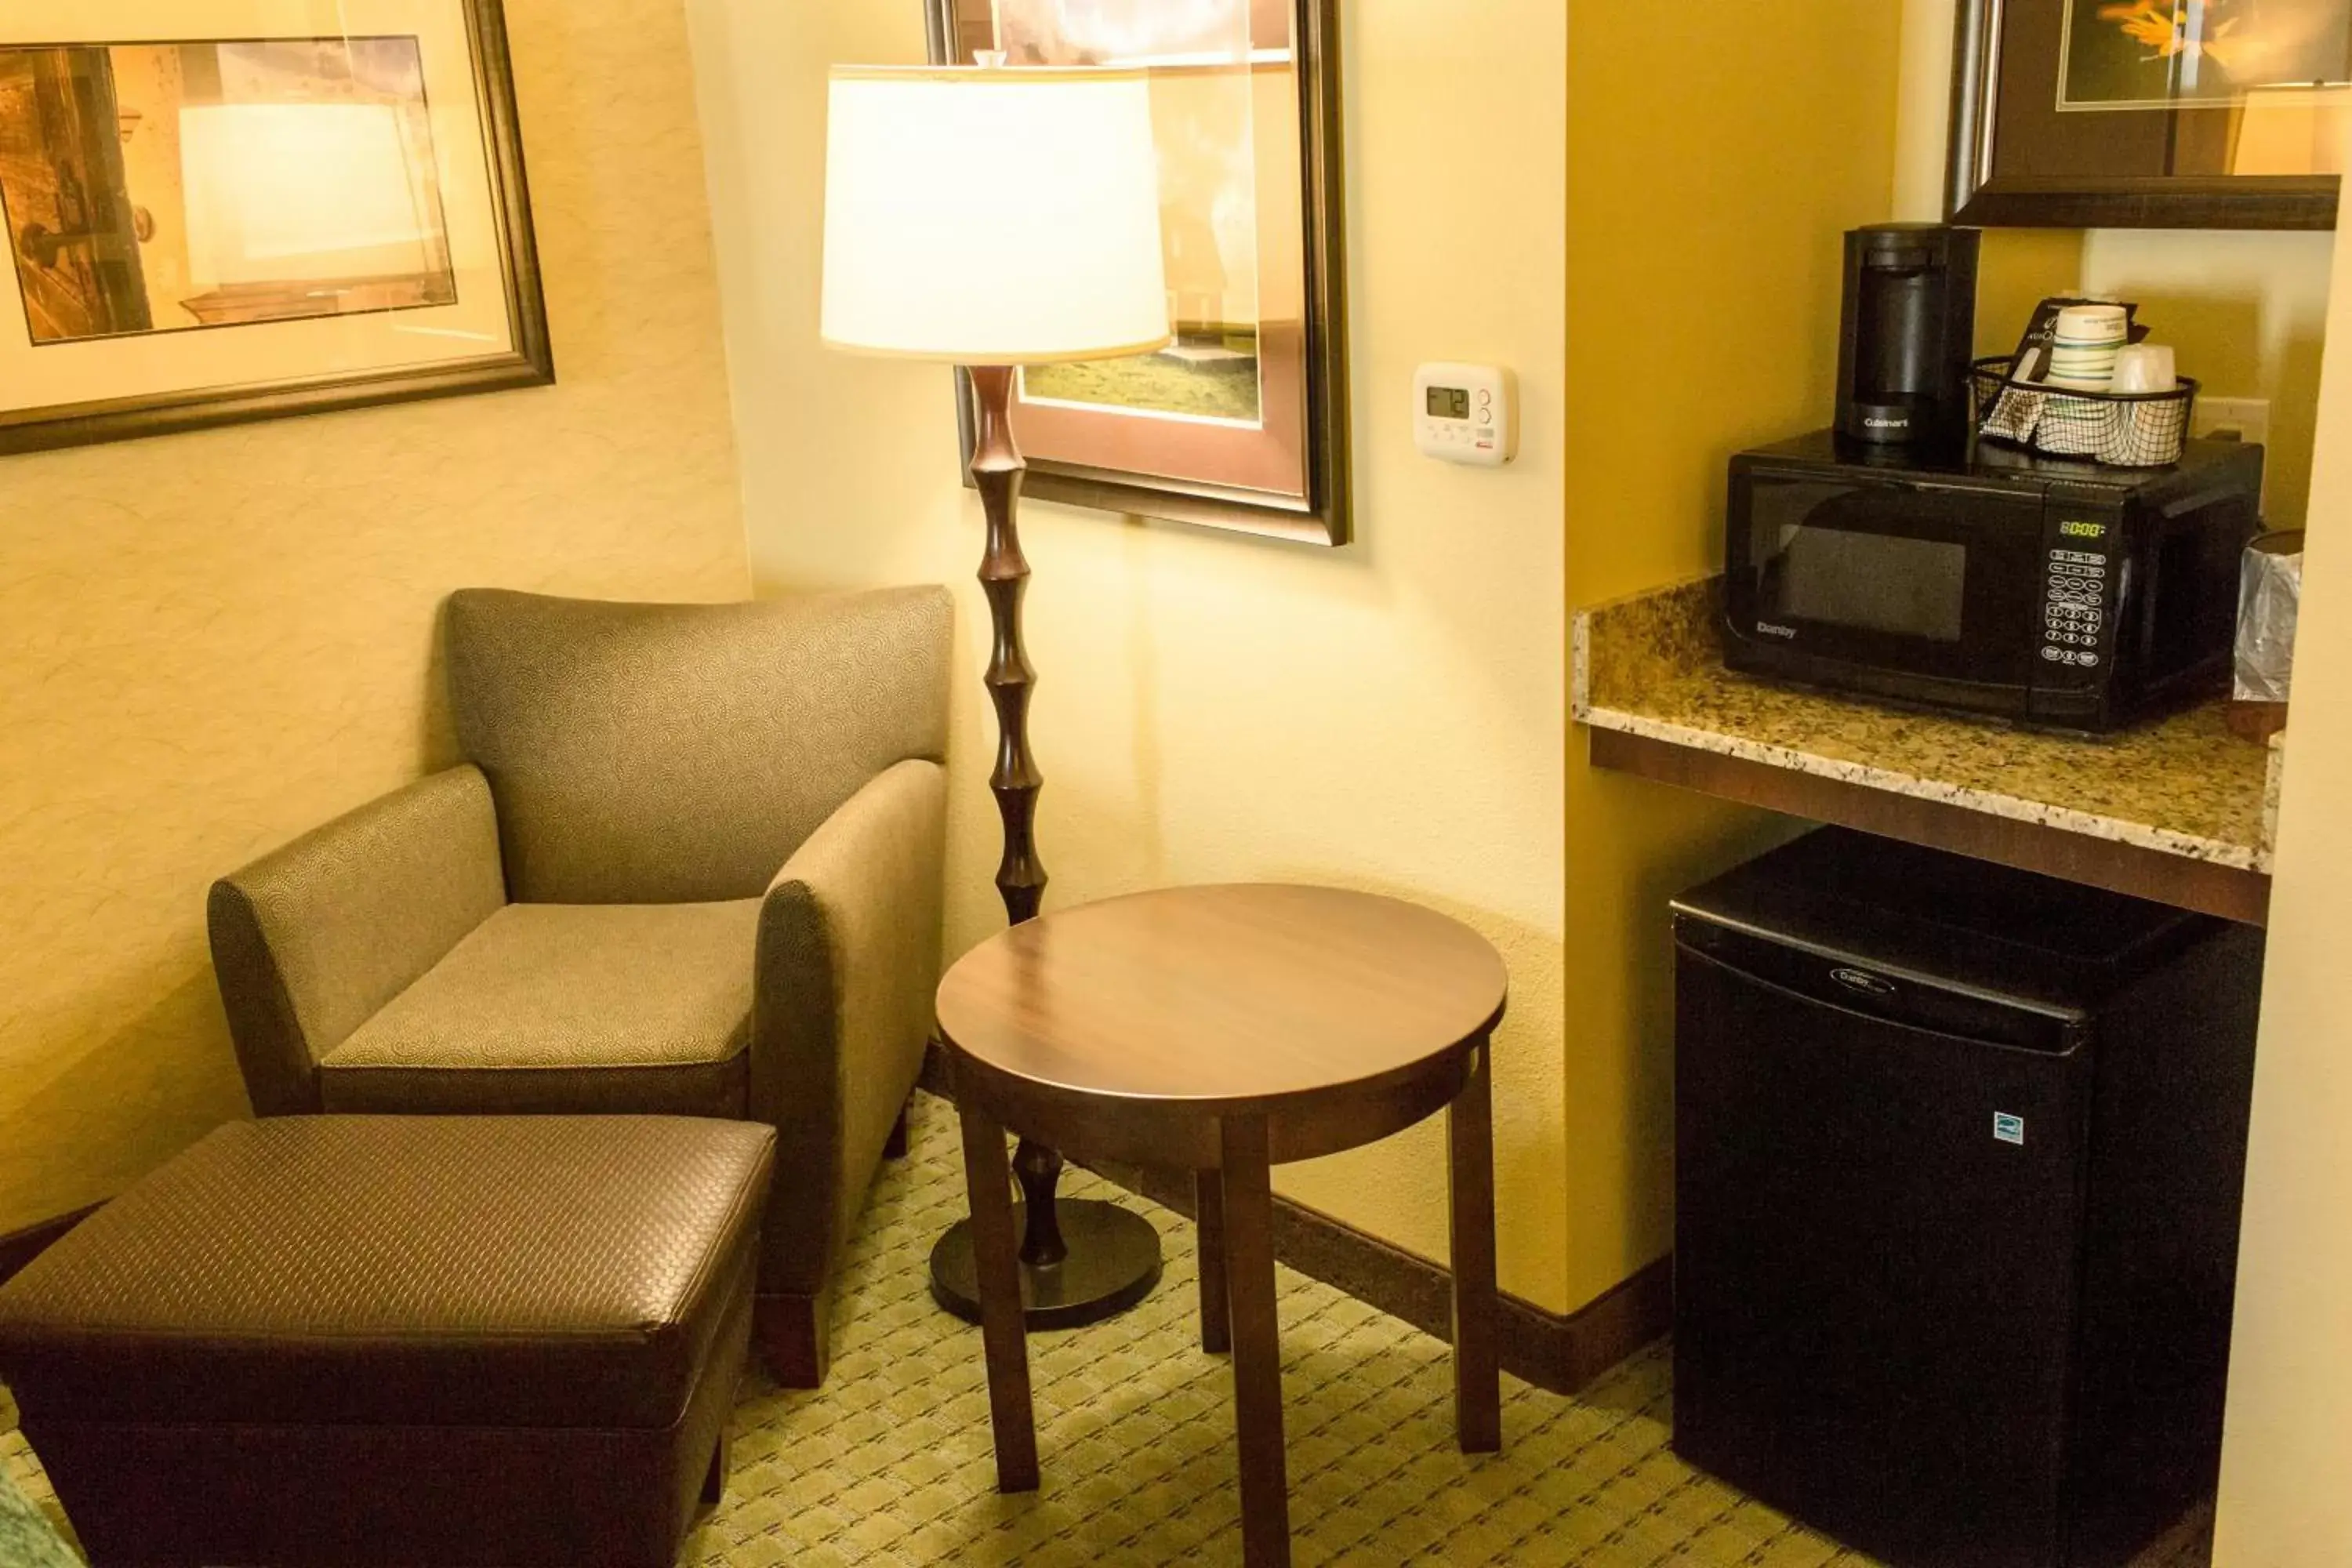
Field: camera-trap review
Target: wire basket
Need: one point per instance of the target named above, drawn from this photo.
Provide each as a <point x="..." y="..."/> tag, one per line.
<point x="2126" y="429"/>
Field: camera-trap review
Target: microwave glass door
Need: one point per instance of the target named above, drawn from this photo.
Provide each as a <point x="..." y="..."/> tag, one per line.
<point x="1933" y="582"/>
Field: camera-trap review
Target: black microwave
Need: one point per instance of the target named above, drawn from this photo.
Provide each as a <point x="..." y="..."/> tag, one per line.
<point x="2051" y="593"/>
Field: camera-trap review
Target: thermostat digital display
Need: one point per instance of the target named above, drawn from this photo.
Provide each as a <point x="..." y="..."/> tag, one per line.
<point x="1466" y="414"/>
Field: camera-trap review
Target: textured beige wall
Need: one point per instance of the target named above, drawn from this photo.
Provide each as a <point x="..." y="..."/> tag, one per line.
<point x="209" y="643"/>
<point x="2287" y="1445"/>
<point x="1391" y="716"/>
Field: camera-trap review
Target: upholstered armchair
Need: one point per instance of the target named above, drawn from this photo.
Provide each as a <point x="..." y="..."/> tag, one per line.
<point x="691" y="865"/>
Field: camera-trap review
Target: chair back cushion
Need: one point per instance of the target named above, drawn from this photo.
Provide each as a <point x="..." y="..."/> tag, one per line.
<point x="678" y="753"/>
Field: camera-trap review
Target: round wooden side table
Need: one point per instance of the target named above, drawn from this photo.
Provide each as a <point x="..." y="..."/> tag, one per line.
<point x="1226" y="1030"/>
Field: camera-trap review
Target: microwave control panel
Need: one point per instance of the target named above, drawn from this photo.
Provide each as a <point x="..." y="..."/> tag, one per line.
<point x="2078" y="593"/>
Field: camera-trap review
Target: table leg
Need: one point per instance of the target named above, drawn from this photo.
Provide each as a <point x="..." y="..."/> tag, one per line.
<point x="987" y="1181"/>
<point x="1209" y="1203"/>
<point x="1477" y="1385"/>
<point x="1257" y="1342"/>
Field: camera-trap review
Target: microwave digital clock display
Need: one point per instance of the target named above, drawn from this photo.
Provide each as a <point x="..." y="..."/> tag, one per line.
<point x="2083" y="529"/>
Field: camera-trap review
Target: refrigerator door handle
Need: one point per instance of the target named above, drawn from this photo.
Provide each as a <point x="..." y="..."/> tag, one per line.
<point x="1889" y="1017"/>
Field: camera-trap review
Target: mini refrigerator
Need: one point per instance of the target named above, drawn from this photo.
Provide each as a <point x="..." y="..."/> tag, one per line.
<point x="1958" y="1157"/>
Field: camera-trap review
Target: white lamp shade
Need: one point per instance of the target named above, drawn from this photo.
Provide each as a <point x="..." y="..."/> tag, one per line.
<point x="299" y="192"/>
<point x="993" y="216"/>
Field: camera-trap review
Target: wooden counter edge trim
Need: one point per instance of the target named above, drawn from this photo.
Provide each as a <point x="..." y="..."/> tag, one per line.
<point x="1558" y="1352"/>
<point x="2229" y="891"/>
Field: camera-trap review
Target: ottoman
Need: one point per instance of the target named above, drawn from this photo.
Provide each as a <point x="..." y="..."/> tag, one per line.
<point x="332" y="1339"/>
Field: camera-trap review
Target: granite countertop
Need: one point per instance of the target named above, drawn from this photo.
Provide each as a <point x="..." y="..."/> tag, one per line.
<point x="1651" y="666"/>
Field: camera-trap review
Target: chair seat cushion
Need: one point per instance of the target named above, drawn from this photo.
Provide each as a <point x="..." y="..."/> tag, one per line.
<point x="415" y="1271"/>
<point x="566" y="1007"/>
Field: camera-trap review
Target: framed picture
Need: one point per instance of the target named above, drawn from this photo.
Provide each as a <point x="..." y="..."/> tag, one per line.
<point x="1242" y="423"/>
<point x="217" y="211"/>
<point x="2150" y="113"/>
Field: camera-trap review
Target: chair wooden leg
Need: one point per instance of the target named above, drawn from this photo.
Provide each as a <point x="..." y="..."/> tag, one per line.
<point x="714" y="1483"/>
<point x="1216" y="1319"/>
<point x="1257" y="1343"/>
<point x="988" y="1181"/>
<point x="894" y="1147"/>
<point x="795" y="1338"/>
<point x="1477" y="1383"/>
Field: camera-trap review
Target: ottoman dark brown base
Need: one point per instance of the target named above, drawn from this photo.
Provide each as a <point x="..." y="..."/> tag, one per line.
<point x="429" y="1343"/>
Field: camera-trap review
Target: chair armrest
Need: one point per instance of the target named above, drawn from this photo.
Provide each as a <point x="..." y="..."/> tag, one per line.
<point x="310" y="939"/>
<point x="847" y="966"/>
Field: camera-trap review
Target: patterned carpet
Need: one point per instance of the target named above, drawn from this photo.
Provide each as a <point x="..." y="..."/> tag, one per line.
<point x="889" y="1464"/>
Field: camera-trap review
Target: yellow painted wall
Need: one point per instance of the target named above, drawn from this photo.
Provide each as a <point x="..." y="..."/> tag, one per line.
<point x="209" y="643"/>
<point x="2287" y="1447"/>
<point x="1712" y="173"/>
<point x="2247" y="311"/>
<point x="1391" y="716"/>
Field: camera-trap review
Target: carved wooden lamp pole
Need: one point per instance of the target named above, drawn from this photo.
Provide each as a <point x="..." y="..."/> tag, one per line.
<point x="992" y="217"/>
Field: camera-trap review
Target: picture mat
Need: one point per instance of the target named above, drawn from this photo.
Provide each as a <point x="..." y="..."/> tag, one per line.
<point x="48" y="377"/>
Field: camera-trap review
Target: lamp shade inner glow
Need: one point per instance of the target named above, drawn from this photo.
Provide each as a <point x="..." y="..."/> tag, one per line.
<point x="293" y="192"/>
<point x="993" y="216"/>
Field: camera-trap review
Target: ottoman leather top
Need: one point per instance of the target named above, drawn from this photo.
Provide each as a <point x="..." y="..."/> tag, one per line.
<point x="521" y="1271"/>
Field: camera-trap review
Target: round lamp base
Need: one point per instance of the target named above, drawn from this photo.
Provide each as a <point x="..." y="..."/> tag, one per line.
<point x="1113" y="1263"/>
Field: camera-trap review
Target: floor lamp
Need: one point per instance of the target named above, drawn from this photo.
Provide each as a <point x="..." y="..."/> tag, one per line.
<point x="991" y="217"/>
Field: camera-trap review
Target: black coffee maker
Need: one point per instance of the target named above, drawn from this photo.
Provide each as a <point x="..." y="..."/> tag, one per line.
<point x="1909" y="330"/>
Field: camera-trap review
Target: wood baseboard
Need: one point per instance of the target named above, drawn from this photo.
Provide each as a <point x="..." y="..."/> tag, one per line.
<point x="1556" y="1351"/>
<point x="19" y="1248"/>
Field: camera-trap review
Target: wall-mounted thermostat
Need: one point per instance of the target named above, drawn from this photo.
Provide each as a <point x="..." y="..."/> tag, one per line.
<point x="1466" y="414"/>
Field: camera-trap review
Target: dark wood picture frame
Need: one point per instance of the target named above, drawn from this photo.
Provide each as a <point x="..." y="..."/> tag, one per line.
<point x="1326" y="516"/>
<point x="1977" y="196"/>
<point x="531" y="362"/>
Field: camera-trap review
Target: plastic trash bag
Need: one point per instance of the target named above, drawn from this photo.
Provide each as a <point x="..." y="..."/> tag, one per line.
<point x="2270" y="592"/>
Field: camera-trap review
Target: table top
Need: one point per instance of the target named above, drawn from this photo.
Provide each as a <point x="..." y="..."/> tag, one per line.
<point x="1232" y="995"/>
